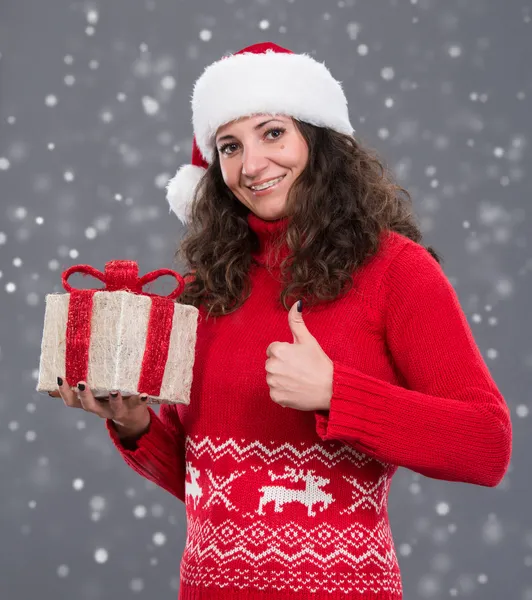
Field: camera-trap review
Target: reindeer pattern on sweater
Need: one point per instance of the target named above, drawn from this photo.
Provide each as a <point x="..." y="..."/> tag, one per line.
<point x="259" y="507"/>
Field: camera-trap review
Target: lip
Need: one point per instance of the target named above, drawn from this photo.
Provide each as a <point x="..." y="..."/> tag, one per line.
<point x="269" y="190"/>
<point x="264" y="181"/>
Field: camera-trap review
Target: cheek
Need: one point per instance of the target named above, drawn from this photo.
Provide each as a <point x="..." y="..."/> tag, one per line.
<point x="294" y="155"/>
<point x="228" y="176"/>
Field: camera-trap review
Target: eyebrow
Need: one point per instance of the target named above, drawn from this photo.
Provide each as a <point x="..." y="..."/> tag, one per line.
<point x="230" y="137"/>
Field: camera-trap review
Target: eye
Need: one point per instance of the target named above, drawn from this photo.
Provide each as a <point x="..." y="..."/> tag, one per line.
<point x="278" y="130"/>
<point x="225" y="146"/>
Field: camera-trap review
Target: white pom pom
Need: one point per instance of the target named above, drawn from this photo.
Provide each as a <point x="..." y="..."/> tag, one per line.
<point x="180" y="190"/>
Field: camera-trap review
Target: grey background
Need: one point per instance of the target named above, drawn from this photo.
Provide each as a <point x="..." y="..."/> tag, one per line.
<point x="75" y="521"/>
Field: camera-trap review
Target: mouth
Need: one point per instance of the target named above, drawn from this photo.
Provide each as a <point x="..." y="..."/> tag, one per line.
<point x="266" y="185"/>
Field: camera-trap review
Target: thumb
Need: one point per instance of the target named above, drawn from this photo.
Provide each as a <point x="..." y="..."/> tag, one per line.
<point x="297" y="325"/>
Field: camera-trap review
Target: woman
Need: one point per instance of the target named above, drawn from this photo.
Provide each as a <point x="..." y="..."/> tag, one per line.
<point x="331" y="349"/>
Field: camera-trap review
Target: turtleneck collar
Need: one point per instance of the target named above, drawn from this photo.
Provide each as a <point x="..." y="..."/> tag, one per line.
<point x="268" y="232"/>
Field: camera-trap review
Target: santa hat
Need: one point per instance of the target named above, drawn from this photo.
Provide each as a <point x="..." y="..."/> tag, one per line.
<point x="260" y="79"/>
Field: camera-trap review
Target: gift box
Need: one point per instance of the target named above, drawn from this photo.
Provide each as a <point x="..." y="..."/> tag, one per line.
<point x="119" y="337"/>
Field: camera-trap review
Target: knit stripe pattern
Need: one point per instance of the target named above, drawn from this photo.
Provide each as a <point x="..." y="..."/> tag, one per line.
<point x="290" y="504"/>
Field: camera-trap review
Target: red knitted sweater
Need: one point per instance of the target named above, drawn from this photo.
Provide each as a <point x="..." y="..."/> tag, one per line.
<point x="292" y="505"/>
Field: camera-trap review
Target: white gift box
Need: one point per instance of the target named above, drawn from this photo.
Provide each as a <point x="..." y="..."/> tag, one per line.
<point x="119" y="322"/>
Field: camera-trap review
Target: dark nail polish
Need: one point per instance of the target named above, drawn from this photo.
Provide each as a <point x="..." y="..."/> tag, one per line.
<point x="143" y="398"/>
<point x="300" y="306"/>
<point x="81" y="387"/>
<point x="114" y="394"/>
<point x="59" y="381"/>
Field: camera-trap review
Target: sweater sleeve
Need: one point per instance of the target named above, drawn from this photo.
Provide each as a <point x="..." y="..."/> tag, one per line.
<point x="449" y="421"/>
<point x="159" y="453"/>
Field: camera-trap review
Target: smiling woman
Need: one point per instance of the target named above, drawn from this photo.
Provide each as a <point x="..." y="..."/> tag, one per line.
<point x="301" y="412"/>
<point x="334" y="202"/>
<point x="260" y="158"/>
<point x="336" y="195"/>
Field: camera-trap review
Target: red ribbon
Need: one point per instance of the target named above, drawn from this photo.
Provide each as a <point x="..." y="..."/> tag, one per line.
<point x="120" y="275"/>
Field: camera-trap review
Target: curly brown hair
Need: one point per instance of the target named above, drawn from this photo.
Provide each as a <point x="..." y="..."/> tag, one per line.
<point x="339" y="206"/>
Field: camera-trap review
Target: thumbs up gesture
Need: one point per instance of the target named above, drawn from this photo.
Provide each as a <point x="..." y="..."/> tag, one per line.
<point x="300" y="375"/>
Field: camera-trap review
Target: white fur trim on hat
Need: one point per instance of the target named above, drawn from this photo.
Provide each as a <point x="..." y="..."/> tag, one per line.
<point x="180" y="190"/>
<point x="268" y="83"/>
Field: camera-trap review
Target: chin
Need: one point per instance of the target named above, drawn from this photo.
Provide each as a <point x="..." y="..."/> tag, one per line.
<point x="271" y="216"/>
<point x="270" y="213"/>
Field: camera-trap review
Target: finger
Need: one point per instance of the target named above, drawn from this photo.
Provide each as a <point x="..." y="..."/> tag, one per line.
<point x="275" y="366"/>
<point x="89" y="402"/>
<point x="104" y="399"/>
<point x="125" y="408"/>
<point x="278" y="400"/>
<point x="120" y="404"/>
<point x="116" y="404"/>
<point x="137" y="400"/>
<point x="275" y="348"/>
<point x="67" y="394"/>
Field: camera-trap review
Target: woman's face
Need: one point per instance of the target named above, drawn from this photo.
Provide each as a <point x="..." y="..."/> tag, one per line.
<point x="259" y="150"/>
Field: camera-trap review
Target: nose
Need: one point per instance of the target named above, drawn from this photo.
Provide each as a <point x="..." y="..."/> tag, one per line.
<point x="254" y="162"/>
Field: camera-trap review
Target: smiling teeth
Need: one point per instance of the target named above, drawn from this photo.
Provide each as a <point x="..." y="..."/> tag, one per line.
<point x="266" y="185"/>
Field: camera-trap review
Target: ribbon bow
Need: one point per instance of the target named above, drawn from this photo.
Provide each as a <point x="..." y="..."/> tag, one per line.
<point x="124" y="275"/>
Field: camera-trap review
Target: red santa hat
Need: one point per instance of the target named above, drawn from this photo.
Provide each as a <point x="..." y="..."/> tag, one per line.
<point x="260" y="79"/>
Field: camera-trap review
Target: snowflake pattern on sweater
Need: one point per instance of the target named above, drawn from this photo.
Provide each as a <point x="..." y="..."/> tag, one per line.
<point x="282" y="528"/>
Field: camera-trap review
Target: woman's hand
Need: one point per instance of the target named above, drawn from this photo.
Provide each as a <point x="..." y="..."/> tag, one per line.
<point x="129" y="413"/>
<point x="300" y="375"/>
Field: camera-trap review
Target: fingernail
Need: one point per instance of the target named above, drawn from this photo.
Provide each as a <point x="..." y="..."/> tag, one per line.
<point x="143" y="397"/>
<point x="49" y="393"/>
<point x="114" y="394"/>
<point x="81" y="387"/>
<point x="300" y="306"/>
<point x="59" y="381"/>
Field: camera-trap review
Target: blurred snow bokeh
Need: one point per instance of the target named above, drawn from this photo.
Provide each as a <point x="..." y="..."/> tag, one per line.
<point x="95" y="118"/>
